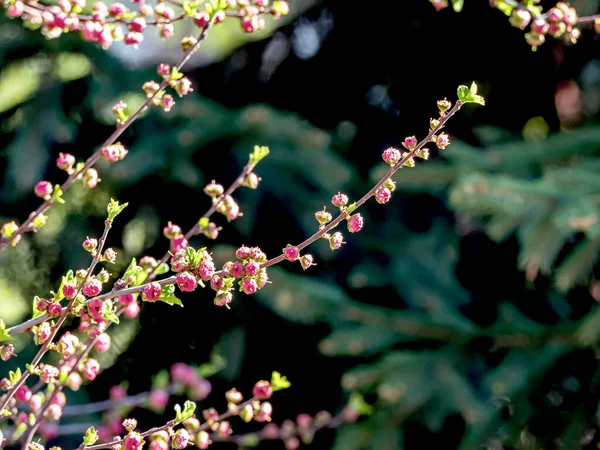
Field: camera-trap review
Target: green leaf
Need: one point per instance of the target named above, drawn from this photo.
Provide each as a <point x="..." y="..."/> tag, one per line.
<point x="504" y="7"/>
<point x="203" y="222"/>
<point x="457" y="5"/>
<point x="162" y="269"/>
<point x="4" y="336"/>
<point x="351" y="207"/>
<point x="357" y="403"/>
<point x="167" y="295"/>
<point x="188" y="411"/>
<point x="278" y="382"/>
<point x="21" y="428"/>
<point x="257" y="155"/>
<point x="57" y="194"/>
<point x="114" y="209"/>
<point x="175" y="74"/>
<point x="160" y="380"/>
<point x="469" y="95"/>
<point x="90" y="437"/>
<point x="112" y="316"/>
<point x="14" y="376"/>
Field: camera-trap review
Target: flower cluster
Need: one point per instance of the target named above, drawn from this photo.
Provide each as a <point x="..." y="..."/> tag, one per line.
<point x="192" y="267"/>
<point x="248" y="269"/>
<point x="224" y="203"/>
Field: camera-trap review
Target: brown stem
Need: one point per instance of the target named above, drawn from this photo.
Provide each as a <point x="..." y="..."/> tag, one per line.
<point x="588" y="19"/>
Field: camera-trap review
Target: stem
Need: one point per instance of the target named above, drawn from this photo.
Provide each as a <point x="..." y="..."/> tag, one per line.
<point x="65" y="313"/>
<point x="588" y="19"/>
<point x="26" y="226"/>
<point x="196" y="228"/>
<point x="393" y="169"/>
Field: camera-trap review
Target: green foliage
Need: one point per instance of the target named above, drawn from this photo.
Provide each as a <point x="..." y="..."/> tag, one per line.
<point x="279" y="382"/>
<point x="187" y="412"/>
<point x="167" y="295"/>
<point x="469" y="95"/>
<point x="114" y="209"/>
<point x="90" y="437"/>
<point x="4" y="335"/>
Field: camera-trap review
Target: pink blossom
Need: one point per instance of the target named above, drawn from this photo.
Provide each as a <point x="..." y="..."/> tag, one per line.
<point x="91" y="368"/>
<point x="178" y="243"/>
<point x="336" y="240"/>
<point x="6" y="352"/>
<point x="206" y="270"/>
<point x="158" y="399"/>
<point x="92" y="287"/>
<point x="264" y="413"/>
<point x="159" y="444"/>
<point x="103" y="342"/>
<point x="49" y="373"/>
<point x="257" y="254"/>
<point x="134" y="441"/>
<point x="134" y="38"/>
<point x="117" y="9"/>
<point x="224" y="429"/>
<point x="126" y="299"/>
<point x="117" y="392"/>
<point x="138" y="24"/>
<point x="202" y="19"/>
<point x="74" y="381"/>
<point x="43" y="188"/>
<point x="132" y="310"/>
<point x="383" y="195"/>
<point x="35" y="402"/>
<point x="410" y="142"/>
<point x="237" y="269"/>
<point x="186" y="281"/>
<point x="339" y="200"/>
<point x="23" y="394"/>
<point x="44" y="332"/>
<point x="152" y="291"/>
<point x="291" y="253"/>
<point x="391" y="155"/>
<point x="16" y="9"/>
<point x="181" y="438"/>
<point x="249" y="285"/>
<point x="243" y="252"/>
<point x="54" y="412"/>
<point x="183" y="373"/>
<point x="59" y="398"/>
<point x="69" y="291"/>
<point x="199" y="389"/>
<point x="96" y="308"/>
<point x="164" y="70"/>
<point x="65" y="161"/>
<point x="216" y="283"/>
<point x="68" y="343"/>
<point x="223" y="298"/>
<point x="355" y="223"/>
<point x="251" y="268"/>
<point x="54" y="309"/>
<point x="262" y="390"/>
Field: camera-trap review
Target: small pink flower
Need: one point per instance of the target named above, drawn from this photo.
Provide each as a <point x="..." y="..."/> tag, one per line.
<point x="355" y="223"/>
<point x="555" y="15"/>
<point x="186" y="281"/>
<point x="167" y="31"/>
<point x="180" y="439"/>
<point x="224" y="429"/>
<point x="35" y="446"/>
<point x="158" y="399"/>
<point x="90" y="178"/>
<point x="202" y="19"/>
<point x="90" y="244"/>
<point x="134" y="441"/>
<point x="539" y="26"/>
<point x="111" y="153"/>
<point x="383" y="195"/>
<point x="237" y="269"/>
<point x="117" y="9"/>
<point x="234" y="396"/>
<point x="95" y="308"/>
<point x="49" y="373"/>
<point x="249" y="285"/>
<point x="69" y="291"/>
<point x="109" y="255"/>
<point x="199" y="389"/>
<point x="132" y="310"/>
<point x="151" y="292"/>
<point x="117" y="392"/>
<point x="262" y="390"/>
<point x="203" y="440"/>
<point x="65" y="161"/>
<point x="264" y="413"/>
<point x="223" y="298"/>
<point x="251" y="268"/>
<point x="257" y="254"/>
<point x="54" y="412"/>
<point x="442" y="141"/>
<point x="126" y="299"/>
<point x="391" y="156"/>
<point x="92" y="287"/>
<point x="91" y="368"/>
<point x="178" y="243"/>
<point x="183" y="373"/>
<point x="167" y="102"/>
<point x="306" y="261"/>
<point x="15" y="10"/>
<point x="103" y="343"/>
<point x="159" y="444"/>
<point x="410" y="142"/>
<point x="68" y="343"/>
<point x="54" y="309"/>
<point x="73" y="381"/>
<point x="23" y="394"/>
<point x="216" y="283"/>
<point x="35" y="402"/>
<point x="6" y="352"/>
<point x="43" y="189"/>
<point x="243" y="252"/>
<point x="164" y="70"/>
<point x="249" y="23"/>
<point x="59" y="398"/>
<point x="336" y="240"/>
<point x="134" y="38"/>
<point x="339" y="200"/>
<point x="206" y="270"/>
<point x="138" y="24"/>
<point x="291" y="253"/>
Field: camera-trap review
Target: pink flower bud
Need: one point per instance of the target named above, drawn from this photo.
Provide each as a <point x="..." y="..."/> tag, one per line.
<point x="203" y="440"/>
<point x="306" y="261"/>
<point x="336" y="240"/>
<point x="65" y="161"/>
<point x="242" y="253"/>
<point x="43" y="189"/>
<point x="216" y="283"/>
<point x="224" y="429"/>
<point x="183" y="373"/>
<point x="251" y="268"/>
<point x="383" y="195"/>
<point x="248" y="285"/>
<point x="323" y="217"/>
<point x="117" y="392"/>
<point x="54" y="309"/>
<point x="410" y="142"/>
<point x="49" y="373"/>
<point x="355" y="223"/>
<point x="178" y="243"/>
<point x="391" y="156"/>
<point x="249" y="24"/>
<point x="167" y="102"/>
<point x="117" y="9"/>
<point x="223" y="298"/>
<point x="251" y="181"/>
<point x="69" y="291"/>
<point x="134" y="38"/>
<point x="219" y="16"/>
<point x="133" y="441"/>
<point x="159" y="444"/>
<point x="262" y="390"/>
<point x="92" y="287"/>
<point x="35" y="446"/>
<point x="59" y="398"/>
<point x="201" y="19"/>
<point x="129" y="424"/>
<point x="539" y="26"/>
<point x="126" y="299"/>
<point x="16" y="9"/>
<point x="109" y="255"/>
<point x="199" y="389"/>
<point x="111" y="153"/>
<point x="103" y="343"/>
<point x="167" y="31"/>
<point x="234" y="396"/>
<point x="35" y="402"/>
<point x="90" y="244"/>
<point x="186" y="281"/>
<point x="164" y="70"/>
<point x="237" y="269"/>
<point x="158" y="399"/>
<point x="442" y="141"/>
<point x="90" y="178"/>
<point x="555" y="15"/>
<point x="264" y="413"/>
<point x="271" y="431"/>
<point x="54" y="412"/>
<point x="91" y="368"/>
<point x="291" y="253"/>
<point x="180" y="439"/>
<point x="132" y="310"/>
<point x="23" y="394"/>
<point x="257" y="255"/>
<point x="444" y="105"/>
<point x="151" y="292"/>
<point x="138" y="24"/>
<point x="6" y="352"/>
<point x="73" y="381"/>
<point x="206" y="270"/>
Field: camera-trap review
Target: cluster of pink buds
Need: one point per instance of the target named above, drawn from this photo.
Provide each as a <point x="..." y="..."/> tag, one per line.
<point x="226" y="205"/>
<point x="558" y="22"/>
<point x="292" y="253"/>
<point x="192" y="267"/>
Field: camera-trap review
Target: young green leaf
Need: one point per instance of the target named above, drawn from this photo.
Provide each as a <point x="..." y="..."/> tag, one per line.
<point x="4" y="335"/>
<point x="469" y="95"/>
<point x="160" y="380"/>
<point x="175" y="74"/>
<point x="257" y="155"/>
<point x="357" y="403"/>
<point x="90" y="437"/>
<point x="203" y="222"/>
<point x="279" y="382"/>
<point x="188" y="411"/>
<point x="57" y="194"/>
<point x="457" y="5"/>
<point x="162" y="269"/>
<point x="114" y="209"/>
<point x="14" y="376"/>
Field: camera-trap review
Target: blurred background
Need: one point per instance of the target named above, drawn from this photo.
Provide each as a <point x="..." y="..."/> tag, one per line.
<point x="465" y="311"/>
